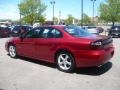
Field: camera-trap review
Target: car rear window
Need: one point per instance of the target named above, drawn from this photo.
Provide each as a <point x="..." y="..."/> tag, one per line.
<point x="77" y="31"/>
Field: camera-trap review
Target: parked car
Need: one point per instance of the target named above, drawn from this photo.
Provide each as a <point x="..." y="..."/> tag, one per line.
<point x="67" y="46"/>
<point x="17" y="30"/>
<point x="94" y="29"/>
<point x="114" y="31"/>
<point x="100" y="29"/>
<point x="4" y="31"/>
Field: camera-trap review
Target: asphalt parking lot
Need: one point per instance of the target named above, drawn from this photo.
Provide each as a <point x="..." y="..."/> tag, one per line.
<point x="27" y="74"/>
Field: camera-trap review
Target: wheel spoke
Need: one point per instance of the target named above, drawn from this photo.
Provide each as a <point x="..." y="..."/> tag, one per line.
<point x="62" y="58"/>
<point x="61" y="62"/>
<point x="65" y="66"/>
<point x="66" y="57"/>
<point x="13" y="49"/>
<point x="10" y="49"/>
<point x="67" y="62"/>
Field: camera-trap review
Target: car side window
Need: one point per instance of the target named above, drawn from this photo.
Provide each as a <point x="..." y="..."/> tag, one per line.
<point x="51" y="33"/>
<point x="35" y="33"/>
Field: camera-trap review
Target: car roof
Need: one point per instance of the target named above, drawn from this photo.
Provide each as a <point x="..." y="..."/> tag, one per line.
<point x="54" y="26"/>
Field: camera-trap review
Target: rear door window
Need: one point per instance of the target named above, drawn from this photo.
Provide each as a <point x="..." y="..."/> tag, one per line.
<point x="51" y="33"/>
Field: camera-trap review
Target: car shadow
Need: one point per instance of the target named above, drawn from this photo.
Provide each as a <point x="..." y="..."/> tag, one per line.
<point x="43" y="63"/>
<point x="95" y="71"/>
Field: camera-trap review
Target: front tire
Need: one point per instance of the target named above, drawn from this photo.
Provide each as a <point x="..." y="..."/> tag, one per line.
<point x="12" y="51"/>
<point x="65" y="62"/>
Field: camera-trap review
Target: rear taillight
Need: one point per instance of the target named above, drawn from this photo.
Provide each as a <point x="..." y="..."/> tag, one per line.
<point x="96" y="45"/>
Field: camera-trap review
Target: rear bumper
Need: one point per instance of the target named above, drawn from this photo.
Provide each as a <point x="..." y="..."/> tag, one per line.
<point x="93" y="58"/>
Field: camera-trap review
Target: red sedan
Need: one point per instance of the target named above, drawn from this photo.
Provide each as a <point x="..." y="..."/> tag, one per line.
<point x="67" y="46"/>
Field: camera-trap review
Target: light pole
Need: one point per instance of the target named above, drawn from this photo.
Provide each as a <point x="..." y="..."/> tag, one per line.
<point x="19" y="12"/>
<point x="59" y="17"/>
<point x="81" y="12"/>
<point x="93" y="8"/>
<point x="20" y="18"/>
<point x="53" y="4"/>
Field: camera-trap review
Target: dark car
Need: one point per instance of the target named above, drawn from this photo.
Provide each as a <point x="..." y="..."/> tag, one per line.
<point x="4" y="31"/>
<point x="17" y="30"/>
<point x="66" y="46"/>
<point x="114" y="31"/>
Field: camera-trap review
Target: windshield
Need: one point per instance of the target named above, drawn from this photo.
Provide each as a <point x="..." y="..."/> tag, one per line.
<point x="77" y="31"/>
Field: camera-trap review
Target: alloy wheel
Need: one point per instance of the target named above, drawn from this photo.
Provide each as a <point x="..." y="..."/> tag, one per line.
<point x="12" y="51"/>
<point x="65" y="62"/>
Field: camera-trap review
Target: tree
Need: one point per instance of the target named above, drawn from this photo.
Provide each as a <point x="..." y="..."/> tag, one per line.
<point x="86" y="19"/>
<point x="32" y="10"/>
<point x="110" y="11"/>
<point x="55" y="20"/>
<point x="41" y="19"/>
<point x="69" y="20"/>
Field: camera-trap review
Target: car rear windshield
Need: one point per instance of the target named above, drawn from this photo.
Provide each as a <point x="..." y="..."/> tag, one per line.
<point x="77" y="31"/>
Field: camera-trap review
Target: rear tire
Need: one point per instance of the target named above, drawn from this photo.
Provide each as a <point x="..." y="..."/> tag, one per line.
<point x="65" y="62"/>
